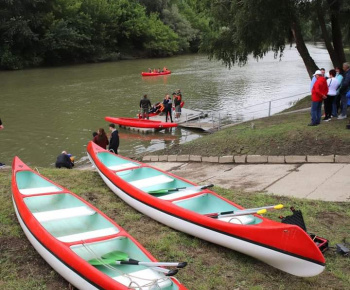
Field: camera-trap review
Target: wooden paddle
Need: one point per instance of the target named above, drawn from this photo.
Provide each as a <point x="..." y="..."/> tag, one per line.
<point x="167" y="190"/>
<point x="248" y="211"/>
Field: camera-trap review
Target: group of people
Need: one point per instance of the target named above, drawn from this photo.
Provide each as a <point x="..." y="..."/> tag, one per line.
<point x="157" y="70"/>
<point x="164" y="107"/>
<point x="100" y="138"/>
<point x="332" y="90"/>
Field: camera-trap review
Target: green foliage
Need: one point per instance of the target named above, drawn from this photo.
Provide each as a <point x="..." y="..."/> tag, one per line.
<point x="242" y="29"/>
<point x="161" y="40"/>
<point x="67" y="31"/>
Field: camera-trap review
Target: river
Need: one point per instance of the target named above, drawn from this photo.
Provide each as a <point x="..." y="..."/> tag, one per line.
<point x="47" y="110"/>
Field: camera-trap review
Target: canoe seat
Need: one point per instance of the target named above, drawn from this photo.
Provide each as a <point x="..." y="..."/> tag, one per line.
<point x="88" y="235"/>
<point x="122" y="166"/>
<point x="240" y="220"/>
<point x="50" y="215"/>
<point x="37" y="190"/>
<point x="143" y="277"/>
<point x="155" y="180"/>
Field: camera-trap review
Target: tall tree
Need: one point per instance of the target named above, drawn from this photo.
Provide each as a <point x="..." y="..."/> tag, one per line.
<point x="258" y="26"/>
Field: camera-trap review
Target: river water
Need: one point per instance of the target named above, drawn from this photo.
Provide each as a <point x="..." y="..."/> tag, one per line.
<point x="47" y="110"/>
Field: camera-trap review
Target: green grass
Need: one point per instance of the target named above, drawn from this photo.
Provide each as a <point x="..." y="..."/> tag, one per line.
<point x="210" y="266"/>
<point x="277" y="135"/>
<point x="300" y="104"/>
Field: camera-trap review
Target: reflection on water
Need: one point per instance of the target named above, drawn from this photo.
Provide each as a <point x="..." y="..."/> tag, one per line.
<point x="48" y="110"/>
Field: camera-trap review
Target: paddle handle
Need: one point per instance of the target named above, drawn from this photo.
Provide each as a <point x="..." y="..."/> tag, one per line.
<point x="237" y="213"/>
<point x="167" y="272"/>
<point x="154" y="264"/>
<point x="248" y="211"/>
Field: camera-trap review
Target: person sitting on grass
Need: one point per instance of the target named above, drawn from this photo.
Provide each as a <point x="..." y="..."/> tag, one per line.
<point x="64" y="160"/>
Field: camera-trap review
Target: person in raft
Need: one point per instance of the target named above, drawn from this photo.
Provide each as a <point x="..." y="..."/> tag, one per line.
<point x="164" y="69"/>
<point x="114" y="141"/>
<point x="145" y="106"/>
<point x="101" y="138"/>
<point x="167" y="108"/>
<point x="65" y="160"/>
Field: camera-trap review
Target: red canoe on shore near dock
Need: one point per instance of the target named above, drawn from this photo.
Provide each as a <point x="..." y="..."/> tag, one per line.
<point x="140" y="123"/>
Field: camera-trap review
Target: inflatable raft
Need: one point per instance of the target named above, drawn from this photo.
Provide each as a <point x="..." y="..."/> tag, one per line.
<point x="140" y="123"/>
<point x="184" y="206"/>
<point x="81" y="243"/>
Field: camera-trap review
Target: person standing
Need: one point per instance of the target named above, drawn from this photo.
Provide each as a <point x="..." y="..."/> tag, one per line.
<point x="336" y="101"/>
<point x="114" y="141"/>
<point x="1" y="127"/>
<point x="318" y="94"/>
<point x="333" y="85"/>
<point x="345" y="86"/>
<point x="145" y="106"/>
<point x="101" y="138"/>
<point x="177" y="104"/>
<point x="323" y="72"/>
<point x="168" y="104"/>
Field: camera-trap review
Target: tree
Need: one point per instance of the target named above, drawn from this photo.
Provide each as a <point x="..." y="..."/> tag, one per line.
<point x="259" y="26"/>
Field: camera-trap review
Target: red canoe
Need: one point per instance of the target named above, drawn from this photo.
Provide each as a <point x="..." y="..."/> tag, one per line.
<point x="154" y="74"/>
<point x="140" y="123"/>
<point x="74" y="237"/>
<point x="197" y="211"/>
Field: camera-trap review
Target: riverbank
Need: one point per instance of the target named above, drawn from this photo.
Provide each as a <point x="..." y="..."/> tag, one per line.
<point x="282" y="134"/>
<point x="210" y="266"/>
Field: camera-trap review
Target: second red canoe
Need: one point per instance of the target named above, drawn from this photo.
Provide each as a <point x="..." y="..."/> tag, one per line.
<point x="140" y="123"/>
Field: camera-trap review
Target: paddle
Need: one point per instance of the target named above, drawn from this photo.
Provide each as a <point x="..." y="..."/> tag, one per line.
<point x="248" y="211"/>
<point x="122" y="256"/>
<point x="166" y="190"/>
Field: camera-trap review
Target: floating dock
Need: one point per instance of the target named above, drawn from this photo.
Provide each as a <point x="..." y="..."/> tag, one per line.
<point x="188" y="119"/>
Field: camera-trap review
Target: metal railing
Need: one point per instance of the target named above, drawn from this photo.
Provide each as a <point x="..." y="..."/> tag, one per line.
<point x="219" y="118"/>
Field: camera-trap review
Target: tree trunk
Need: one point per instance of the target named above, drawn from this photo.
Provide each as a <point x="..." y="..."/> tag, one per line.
<point x="309" y="63"/>
<point x="334" y="6"/>
<point x="327" y="40"/>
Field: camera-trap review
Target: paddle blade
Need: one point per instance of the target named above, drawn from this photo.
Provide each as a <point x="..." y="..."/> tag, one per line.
<point x="261" y="211"/>
<point x="160" y="191"/>
<point x="278" y="206"/>
<point x="116" y="256"/>
<point x="99" y="262"/>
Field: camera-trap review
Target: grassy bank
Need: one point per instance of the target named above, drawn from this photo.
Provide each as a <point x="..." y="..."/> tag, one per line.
<point x="210" y="266"/>
<point x="284" y="134"/>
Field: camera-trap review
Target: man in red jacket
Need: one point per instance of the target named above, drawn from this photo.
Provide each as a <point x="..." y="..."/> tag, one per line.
<point x="318" y="94"/>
